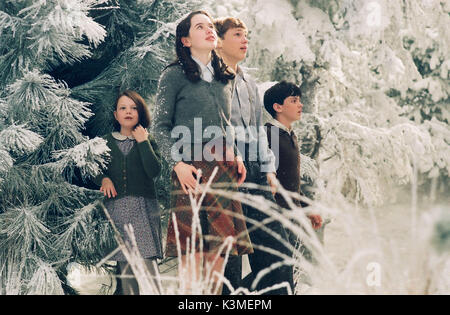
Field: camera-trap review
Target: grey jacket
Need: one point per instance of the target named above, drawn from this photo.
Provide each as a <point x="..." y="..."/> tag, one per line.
<point x="188" y="112"/>
<point x="247" y="118"/>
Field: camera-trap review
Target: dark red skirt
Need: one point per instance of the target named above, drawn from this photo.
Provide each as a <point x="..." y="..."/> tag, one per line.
<point x="219" y="216"/>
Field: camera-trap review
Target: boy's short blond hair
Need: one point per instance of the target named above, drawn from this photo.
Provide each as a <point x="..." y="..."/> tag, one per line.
<point x="224" y="24"/>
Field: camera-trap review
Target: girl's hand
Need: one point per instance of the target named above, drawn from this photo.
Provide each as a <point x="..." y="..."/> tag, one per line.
<point x="140" y="134"/>
<point x="184" y="173"/>
<point x="242" y="171"/>
<point x="108" y="188"/>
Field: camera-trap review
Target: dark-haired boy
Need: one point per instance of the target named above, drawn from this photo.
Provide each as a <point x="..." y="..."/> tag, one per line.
<point x="283" y="102"/>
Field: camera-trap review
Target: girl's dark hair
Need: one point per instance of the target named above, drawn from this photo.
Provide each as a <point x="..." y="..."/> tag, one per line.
<point x="278" y="93"/>
<point x="143" y="112"/>
<point x="222" y="72"/>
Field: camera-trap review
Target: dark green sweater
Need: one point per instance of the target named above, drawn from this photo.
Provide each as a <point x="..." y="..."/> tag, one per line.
<point x="132" y="175"/>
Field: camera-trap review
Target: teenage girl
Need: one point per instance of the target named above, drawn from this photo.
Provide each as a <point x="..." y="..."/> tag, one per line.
<point x="194" y="93"/>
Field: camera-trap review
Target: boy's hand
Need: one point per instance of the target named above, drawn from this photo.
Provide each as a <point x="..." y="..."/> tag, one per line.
<point x="242" y="171"/>
<point x="272" y="181"/>
<point x="108" y="188"/>
<point x="140" y="134"/>
<point x="316" y="221"/>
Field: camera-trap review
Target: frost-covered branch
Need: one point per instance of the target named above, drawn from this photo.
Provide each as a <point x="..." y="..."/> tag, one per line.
<point x="90" y="158"/>
<point x="18" y="140"/>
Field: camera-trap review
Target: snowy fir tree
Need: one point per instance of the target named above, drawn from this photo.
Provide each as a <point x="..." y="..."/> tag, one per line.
<point x="45" y="220"/>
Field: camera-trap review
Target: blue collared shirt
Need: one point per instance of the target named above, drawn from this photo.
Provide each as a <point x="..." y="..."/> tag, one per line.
<point x="247" y="118"/>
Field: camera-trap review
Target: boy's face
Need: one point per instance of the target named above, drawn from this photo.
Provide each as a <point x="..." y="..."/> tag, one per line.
<point x="291" y="110"/>
<point x="234" y="44"/>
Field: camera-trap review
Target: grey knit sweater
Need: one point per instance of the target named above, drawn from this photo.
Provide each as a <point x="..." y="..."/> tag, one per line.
<point x="180" y="102"/>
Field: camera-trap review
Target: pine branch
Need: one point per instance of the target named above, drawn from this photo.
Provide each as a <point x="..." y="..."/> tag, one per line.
<point x="29" y="94"/>
<point x="62" y="136"/>
<point x="25" y="232"/>
<point x="18" y="140"/>
<point x="89" y="158"/>
<point x="45" y="280"/>
<point x="6" y="162"/>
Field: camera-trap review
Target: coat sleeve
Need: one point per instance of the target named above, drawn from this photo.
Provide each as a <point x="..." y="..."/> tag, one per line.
<point x="150" y="157"/>
<point x="163" y="121"/>
<point x="267" y="157"/>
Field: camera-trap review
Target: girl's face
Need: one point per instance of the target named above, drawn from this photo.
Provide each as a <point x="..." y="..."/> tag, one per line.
<point x="202" y="34"/>
<point x="126" y="113"/>
<point x="234" y="44"/>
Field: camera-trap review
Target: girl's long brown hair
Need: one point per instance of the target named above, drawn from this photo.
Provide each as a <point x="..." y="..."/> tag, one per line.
<point x="222" y="72"/>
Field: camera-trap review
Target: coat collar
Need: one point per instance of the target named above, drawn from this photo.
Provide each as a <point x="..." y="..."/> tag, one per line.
<point x="241" y="73"/>
<point x="279" y="125"/>
<point x="118" y="136"/>
<point x="207" y="72"/>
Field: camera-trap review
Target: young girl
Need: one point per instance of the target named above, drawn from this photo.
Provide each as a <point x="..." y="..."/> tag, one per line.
<point x="194" y="93"/>
<point x="128" y="182"/>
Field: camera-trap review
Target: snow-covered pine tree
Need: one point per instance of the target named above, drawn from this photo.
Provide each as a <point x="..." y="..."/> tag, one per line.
<point x="46" y="221"/>
<point x="427" y="98"/>
<point x="62" y="64"/>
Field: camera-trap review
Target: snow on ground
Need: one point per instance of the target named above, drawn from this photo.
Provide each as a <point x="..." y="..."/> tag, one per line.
<point x="371" y="252"/>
